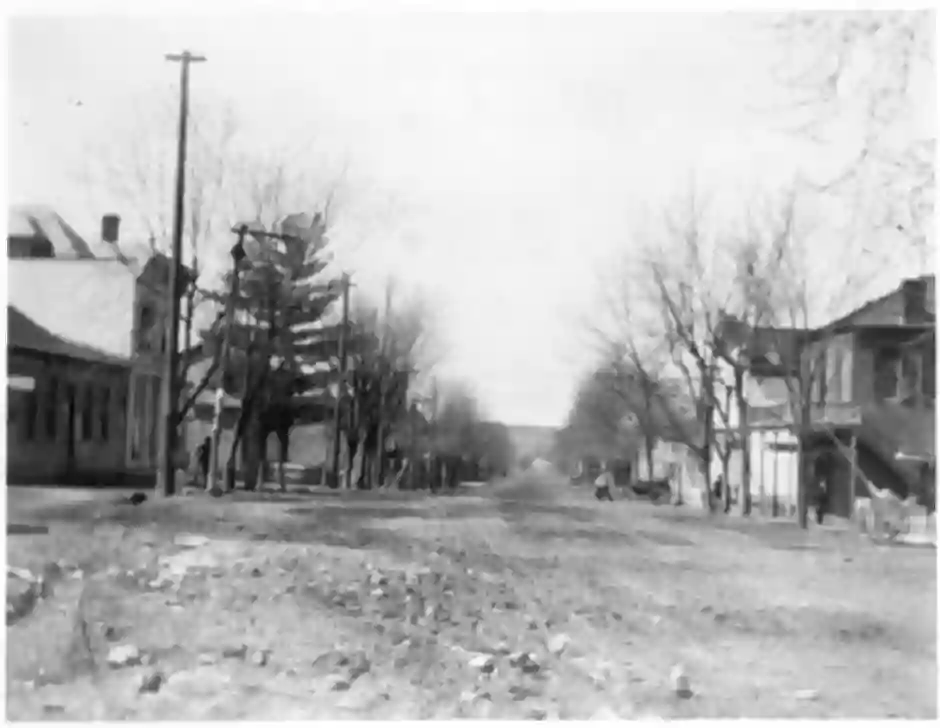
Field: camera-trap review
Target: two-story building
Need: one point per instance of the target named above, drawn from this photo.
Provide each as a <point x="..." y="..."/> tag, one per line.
<point x="85" y="349"/>
<point x="871" y="400"/>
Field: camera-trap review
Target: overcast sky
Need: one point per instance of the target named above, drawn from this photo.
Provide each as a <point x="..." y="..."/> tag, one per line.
<point x="516" y="147"/>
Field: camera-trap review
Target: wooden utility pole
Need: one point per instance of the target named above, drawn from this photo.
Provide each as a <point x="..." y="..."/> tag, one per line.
<point x="166" y="467"/>
<point x="340" y="385"/>
<point x="238" y="254"/>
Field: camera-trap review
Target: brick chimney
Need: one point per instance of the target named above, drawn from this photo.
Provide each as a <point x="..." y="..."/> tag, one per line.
<point x="110" y="228"/>
<point x="914" y="291"/>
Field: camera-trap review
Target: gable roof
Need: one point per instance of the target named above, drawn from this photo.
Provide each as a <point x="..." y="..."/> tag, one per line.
<point x="40" y="221"/>
<point x="87" y="301"/>
<point x="774" y="351"/>
<point x="24" y="333"/>
<point x="887" y="309"/>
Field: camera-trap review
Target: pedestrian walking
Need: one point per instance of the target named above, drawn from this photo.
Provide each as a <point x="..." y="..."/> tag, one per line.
<point x="603" y="484"/>
<point x="822" y="469"/>
<point x="822" y="500"/>
<point x="718" y="486"/>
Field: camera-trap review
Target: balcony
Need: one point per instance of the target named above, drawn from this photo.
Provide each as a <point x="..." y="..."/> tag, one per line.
<point x="831" y="415"/>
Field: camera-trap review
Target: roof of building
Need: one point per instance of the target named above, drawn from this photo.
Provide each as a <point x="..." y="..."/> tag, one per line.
<point x="774" y="350"/>
<point x="887" y="309"/>
<point x="24" y="333"/>
<point x="40" y="221"/>
<point x="87" y="301"/>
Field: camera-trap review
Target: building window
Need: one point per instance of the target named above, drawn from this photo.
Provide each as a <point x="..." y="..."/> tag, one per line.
<point x="52" y="409"/>
<point x="929" y="382"/>
<point x="139" y="416"/>
<point x="148" y="318"/>
<point x="817" y="385"/>
<point x="104" y="414"/>
<point x="847" y="373"/>
<point x="88" y="402"/>
<point x="886" y="373"/>
<point x="30" y="414"/>
<point x="834" y="370"/>
<point x="122" y="404"/>
<point x="910" y="374"/>
<point x="153" y="394"/>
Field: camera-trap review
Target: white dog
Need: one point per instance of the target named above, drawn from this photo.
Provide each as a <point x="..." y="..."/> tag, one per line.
<point x="884" y="515"/>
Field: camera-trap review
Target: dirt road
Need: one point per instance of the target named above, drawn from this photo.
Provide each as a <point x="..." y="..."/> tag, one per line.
<point x="503" y="604"/>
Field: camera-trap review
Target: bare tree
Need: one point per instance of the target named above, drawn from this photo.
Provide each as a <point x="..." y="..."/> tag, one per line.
<point x="872" y="71"/>
<point x="392" y="352"/>
<point x="597" y="422"/>
<point x="783" y="305"/>
<point x="701" y="294"/>
<point x="133" y="170"/>
<point x="689" y="288"/>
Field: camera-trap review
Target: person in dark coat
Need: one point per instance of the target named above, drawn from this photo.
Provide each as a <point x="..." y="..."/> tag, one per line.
<point x="822" y="469"/>
<point x="718" y="486"/>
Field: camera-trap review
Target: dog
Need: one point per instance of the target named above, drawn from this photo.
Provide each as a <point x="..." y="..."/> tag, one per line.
<point x="884" y="515"/>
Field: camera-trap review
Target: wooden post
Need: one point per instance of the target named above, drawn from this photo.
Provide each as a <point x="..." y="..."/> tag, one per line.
<point x="804" y="428"/>
<point x="853" y="474"/>
<point x="763" y="489"/>
<point x="775" y="502"/>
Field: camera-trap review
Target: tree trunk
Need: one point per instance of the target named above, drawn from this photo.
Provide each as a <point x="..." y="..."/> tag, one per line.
<point x="377" y="462"/>
<point x="745" y="436"/>
<point x="650" y="444"/>
<point x="708" y="445"/>
<point x="803" y="473"/>
<point x="365" y="467"/>
<point x="230" y="466"/>
<point x="352" y="449"/>
<point x="283" y="443"/>
<point x="725" y="472"/>
<point x="264" y="469"/>
<point x="252" y="454"/>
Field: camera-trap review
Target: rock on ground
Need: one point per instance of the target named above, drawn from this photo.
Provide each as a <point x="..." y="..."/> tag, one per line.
<point x="124" y="656"/>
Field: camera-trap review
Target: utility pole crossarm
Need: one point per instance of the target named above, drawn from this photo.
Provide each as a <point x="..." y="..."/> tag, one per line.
<point x="185" y="57"/>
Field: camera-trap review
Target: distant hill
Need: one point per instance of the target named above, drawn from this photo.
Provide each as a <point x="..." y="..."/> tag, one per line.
<point x="532" y="441"/>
